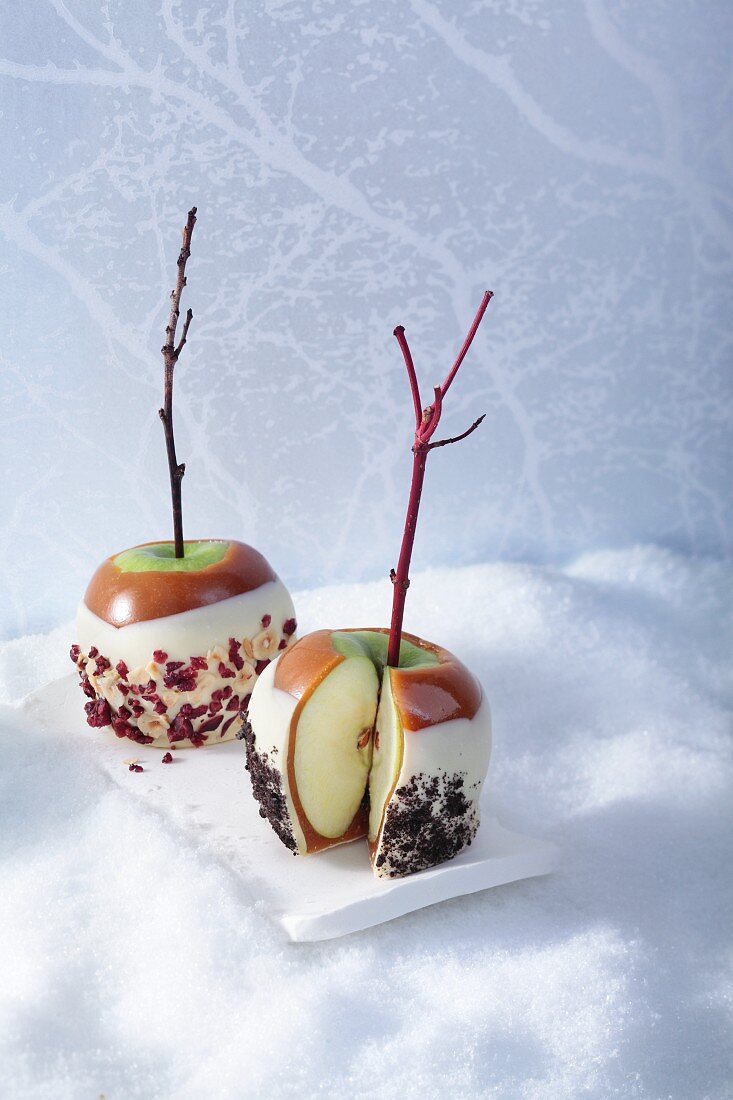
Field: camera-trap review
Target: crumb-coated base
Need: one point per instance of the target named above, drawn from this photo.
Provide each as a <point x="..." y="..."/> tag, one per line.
<point x="267" y="786"/>
<point x="173" y="697"/>
<point x="428" y="821"/>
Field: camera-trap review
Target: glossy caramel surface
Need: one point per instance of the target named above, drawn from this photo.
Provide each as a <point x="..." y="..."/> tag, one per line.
<point x="433" y="694"/>
<point x="306" y="664"/>
<point x="122" y="598"/>
<point x="438" y="693"/>
<point x="425" y="696"/>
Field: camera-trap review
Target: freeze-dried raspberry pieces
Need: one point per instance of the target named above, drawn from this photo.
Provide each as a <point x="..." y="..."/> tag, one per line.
<point x="140" y="738"/>
<point x="87" y="688"/>
<point x="120" y="723"/>
<point x="98" y="713"/>
<point x="228" y="723"/>
<point x="189" y="711"/>
<point x="180" y="678"/>
<point x="180" y="729"/>
<point x="234" y="654"/>
<point x="211" y="724"/>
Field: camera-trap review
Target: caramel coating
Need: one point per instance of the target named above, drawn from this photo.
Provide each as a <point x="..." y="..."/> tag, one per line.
<point x="425" y="696"/>
<point x="306" y="664"/>
<point x="124" y="598"/>
<point x="428" y="696"/>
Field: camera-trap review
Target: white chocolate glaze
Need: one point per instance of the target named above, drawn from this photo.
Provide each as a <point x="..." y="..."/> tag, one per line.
<point x="460" y="745"/>
<point x="191" y="632"/>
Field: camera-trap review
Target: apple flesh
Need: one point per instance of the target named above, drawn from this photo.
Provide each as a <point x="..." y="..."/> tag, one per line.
<point x="169" y="649"/>
<point x="330" y="729"/>
<point x="386" y="758"/>
<point x="333" y="749"/>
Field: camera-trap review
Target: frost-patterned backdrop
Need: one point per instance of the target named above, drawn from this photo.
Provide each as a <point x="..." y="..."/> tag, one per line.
<point x="357" y="165"/>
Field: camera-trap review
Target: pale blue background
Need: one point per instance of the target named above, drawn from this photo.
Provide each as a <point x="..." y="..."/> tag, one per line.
<point x="357" y="165"/>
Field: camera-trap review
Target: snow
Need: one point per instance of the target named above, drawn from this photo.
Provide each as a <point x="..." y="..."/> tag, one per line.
<point x="135" y="964"/>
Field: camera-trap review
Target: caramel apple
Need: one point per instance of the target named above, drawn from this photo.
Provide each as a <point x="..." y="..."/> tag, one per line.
<point x="169" y="649"/>
<point x="171" y="636"/>
<point x="349" y="747"/>
<point x="375" y="733"/>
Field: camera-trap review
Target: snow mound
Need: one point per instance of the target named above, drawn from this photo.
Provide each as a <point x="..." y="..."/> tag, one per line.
<point x="135" y="965"/>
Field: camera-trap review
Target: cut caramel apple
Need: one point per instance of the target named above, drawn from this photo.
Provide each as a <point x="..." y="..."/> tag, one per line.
<point x="169" y="649"/>
<point x="372" y="732"/>
<point x="341" y="747"/>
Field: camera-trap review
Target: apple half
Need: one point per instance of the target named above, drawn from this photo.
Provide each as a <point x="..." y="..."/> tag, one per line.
<point x="169" y="649"/>
<point x="340" y="746"/>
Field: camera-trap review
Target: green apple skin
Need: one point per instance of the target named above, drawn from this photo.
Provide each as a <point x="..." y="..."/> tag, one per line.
<point x="159" y="557"/>
<point x="374" y="644"/>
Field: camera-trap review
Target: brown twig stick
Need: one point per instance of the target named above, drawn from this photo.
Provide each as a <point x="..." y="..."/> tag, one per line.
<point x="171" y="351"/>
<point x="426" y="421"/>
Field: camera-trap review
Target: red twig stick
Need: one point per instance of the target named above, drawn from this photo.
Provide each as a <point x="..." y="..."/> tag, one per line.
<point x="171" y="351"/>
<point x="489" y="294"/>
<point x="399" y="332"/>
<point x="426" y="421"/>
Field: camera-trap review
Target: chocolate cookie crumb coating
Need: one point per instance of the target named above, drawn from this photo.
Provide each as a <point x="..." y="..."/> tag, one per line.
<point x="429" y="821"/>
<point x="267" y="786"/>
